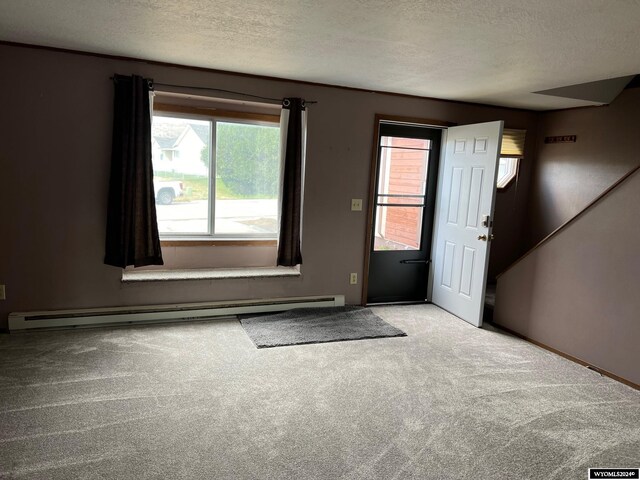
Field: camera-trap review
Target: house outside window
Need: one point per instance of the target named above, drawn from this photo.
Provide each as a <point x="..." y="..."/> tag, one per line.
<point x="216" y="177"/>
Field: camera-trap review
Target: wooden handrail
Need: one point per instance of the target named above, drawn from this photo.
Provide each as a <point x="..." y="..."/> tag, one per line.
<point x="572" y="219"/>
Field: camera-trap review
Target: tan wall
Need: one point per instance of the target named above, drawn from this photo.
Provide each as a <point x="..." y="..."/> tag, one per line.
<point x="578" y="293"/>
<point x="54" y="165"/>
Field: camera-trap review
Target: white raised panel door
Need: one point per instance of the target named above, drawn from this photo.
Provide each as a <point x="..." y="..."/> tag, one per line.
<point x="466" y="193"/>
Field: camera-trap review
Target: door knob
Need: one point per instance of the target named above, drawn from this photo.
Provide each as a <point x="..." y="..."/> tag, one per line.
<point x="484" y="238"/>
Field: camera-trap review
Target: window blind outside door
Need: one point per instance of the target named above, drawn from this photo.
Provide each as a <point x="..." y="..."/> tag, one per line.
<point x="513" y="143"/>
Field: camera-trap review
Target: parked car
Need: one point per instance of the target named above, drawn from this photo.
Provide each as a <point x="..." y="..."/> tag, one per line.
<point x="167" y="191"/>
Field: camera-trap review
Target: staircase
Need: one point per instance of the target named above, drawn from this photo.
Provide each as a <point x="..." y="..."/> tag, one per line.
<point x="577" y="292"/>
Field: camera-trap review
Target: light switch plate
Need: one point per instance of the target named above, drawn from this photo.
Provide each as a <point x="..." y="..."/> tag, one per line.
<point x="356" y="204"/>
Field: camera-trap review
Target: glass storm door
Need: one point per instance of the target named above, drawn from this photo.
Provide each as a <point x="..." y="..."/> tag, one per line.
<point x="402" y="223"/>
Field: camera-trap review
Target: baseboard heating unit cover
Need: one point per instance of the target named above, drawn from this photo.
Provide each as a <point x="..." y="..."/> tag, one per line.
<point x="163" y="313"/>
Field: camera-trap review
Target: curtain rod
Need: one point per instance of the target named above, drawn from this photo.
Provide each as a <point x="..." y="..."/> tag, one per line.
<point x="307" y="102"/>
<point x="193" y="87"/>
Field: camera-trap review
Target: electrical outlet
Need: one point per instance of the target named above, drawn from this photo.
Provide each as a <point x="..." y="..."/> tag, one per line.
<point x="356" y="204"/>
<point x="2" y="293"/>
<point x="353" y="278"/>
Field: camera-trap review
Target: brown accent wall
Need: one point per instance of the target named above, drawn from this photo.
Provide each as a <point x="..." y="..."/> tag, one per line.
<point x="54" y="166"/>
<point x="568" y="176"/>
<point x="578" y="293"/>
<point x="511" y="222"/>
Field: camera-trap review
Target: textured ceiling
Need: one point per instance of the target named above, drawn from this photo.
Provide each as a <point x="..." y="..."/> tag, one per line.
<point x="495" y="52"/>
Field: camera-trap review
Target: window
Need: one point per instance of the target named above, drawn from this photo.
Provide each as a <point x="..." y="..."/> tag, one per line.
<point x="507" y="171"/>
<point x="511" y="151"/>
<point x="402" y="181"/>
<point x="216" y="176"/>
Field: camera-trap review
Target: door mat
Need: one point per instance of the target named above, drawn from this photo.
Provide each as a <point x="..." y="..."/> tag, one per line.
<point x="316" y="325"/>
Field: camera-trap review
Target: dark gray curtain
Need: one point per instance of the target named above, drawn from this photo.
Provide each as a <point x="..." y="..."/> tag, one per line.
<point x="132" y="228"/>
<point x="289" y="249"/>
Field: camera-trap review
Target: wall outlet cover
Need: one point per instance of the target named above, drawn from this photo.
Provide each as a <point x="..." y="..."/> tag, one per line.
<point x="356" y="204"/>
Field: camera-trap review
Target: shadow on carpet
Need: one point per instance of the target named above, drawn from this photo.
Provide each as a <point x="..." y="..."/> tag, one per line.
<point x="302" y="326"/>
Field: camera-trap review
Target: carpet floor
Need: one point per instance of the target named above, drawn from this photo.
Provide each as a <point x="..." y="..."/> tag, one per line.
<point x="199" y="401"/>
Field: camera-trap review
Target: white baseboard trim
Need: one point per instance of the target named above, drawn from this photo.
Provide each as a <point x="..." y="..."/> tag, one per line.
<point x="20" y="321"/>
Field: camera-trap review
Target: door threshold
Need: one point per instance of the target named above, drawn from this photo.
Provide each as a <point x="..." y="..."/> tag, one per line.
<point x="411" y="302"/>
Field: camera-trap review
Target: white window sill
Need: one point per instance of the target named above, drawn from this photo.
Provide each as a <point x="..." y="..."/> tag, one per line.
<point x="209" y="274"/>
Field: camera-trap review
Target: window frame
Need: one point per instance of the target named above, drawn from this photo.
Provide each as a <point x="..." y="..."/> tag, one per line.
<point x="214" y="115"/>
<point x="513" y="175"/>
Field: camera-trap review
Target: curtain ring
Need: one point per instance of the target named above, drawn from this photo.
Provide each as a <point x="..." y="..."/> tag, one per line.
<point x="286" y="102"/>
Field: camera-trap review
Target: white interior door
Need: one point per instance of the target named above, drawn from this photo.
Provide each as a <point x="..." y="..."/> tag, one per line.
<point x="464" y="214"/>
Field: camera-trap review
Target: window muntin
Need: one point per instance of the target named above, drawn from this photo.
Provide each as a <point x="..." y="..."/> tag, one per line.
<point x="224" y="179"/>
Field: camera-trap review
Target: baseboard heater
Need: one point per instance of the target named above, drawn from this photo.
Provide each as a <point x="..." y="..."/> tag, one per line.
<point x="162" y="313"/>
